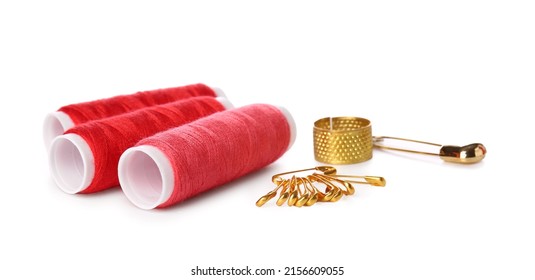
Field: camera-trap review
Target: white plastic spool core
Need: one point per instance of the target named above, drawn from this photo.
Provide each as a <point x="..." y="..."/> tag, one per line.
<point x="146" y="175"/>
<point x="72" y="163"/>
<point x="56" y="123"/>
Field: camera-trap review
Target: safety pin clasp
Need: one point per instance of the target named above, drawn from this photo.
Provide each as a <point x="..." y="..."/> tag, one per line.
<point x="466" y="154"/>
<point x="471" y="153"/>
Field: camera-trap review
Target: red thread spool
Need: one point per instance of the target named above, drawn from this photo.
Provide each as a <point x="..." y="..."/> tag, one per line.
<point x="85" y="158"/>
<point x="66" y="117"/>
<point x="179" y="163"/>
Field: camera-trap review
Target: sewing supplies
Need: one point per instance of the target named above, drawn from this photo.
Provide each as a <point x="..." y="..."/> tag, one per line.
<point x="166" y="146"/>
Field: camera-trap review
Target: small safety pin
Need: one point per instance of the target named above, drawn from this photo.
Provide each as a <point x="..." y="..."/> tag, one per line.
<point x="327" y="170"/>
<point x="471" y="153"/>
<point x="375" y="181"/>
<point x="301" y="191"/>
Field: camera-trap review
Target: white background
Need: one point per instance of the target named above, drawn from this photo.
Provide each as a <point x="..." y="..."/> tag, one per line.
<point x="452" y="72"/>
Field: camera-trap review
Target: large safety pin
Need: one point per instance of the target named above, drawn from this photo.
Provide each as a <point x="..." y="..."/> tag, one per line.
<point x="466" y="154"/>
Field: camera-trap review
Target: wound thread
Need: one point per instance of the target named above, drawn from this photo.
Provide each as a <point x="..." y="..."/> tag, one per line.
<point x="180" y="163"/>
<point x="85" y="159"/>
<point x="75" y="114"/>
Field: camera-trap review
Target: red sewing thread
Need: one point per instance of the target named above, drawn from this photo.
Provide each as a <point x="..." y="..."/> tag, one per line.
<point x="179" y="163"/>
<point x="75" y="114"/>
<point x="85" y="158"/>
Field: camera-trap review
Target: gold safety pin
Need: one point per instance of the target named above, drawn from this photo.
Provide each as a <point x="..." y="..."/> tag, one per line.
<point x="327" y="170"/>
<point x="301" y="191"/>
<point x="375" y="181"/>
<point x="471" y="153"/>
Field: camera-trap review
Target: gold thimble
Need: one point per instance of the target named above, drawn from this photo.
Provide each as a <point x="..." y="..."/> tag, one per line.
<point x="342" y="140"/>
